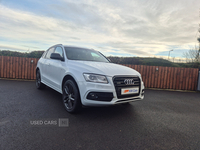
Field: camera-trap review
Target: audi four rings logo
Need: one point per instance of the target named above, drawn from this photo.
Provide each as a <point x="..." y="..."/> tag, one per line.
<point x="129" y="81"/>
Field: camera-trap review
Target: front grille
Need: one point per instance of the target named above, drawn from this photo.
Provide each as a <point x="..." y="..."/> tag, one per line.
<point x="119" y="84"/>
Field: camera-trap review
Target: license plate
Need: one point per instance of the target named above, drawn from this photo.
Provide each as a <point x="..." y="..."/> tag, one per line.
<point x="129" y="91"/>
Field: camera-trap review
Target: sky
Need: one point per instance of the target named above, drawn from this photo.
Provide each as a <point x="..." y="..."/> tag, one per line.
<point x="140" y="28"/>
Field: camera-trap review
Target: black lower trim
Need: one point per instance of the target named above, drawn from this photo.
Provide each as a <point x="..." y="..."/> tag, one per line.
<point x="100" y="96"/>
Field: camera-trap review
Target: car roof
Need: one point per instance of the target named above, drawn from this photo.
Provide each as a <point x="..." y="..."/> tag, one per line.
<point x="70" y="46"/>
<point x="76" y="47"/>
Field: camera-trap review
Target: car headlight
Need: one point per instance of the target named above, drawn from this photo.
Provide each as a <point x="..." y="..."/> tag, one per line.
<point x="95" y="78"/>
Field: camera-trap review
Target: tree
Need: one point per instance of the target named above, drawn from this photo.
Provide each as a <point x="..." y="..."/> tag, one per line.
<point x="192" y="55"/>
<point x="33" y="54"/>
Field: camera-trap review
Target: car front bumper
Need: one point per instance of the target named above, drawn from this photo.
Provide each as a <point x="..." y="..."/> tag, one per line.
<point x="87" y="87"/>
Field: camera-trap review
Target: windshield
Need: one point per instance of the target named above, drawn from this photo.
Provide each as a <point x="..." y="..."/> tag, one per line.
<point x="74" y="53"/>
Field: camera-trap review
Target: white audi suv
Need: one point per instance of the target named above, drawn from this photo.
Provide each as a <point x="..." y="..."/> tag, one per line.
<point x="85" y="77"/>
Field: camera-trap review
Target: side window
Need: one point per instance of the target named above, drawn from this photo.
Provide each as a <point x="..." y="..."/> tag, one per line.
<point x="50" y="51"/>
<point x="44" y="54"/>
<point x="59" y="50"/>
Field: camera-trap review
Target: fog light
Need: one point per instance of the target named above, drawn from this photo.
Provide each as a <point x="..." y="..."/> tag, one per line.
<point x="100" y="96"/>
<point x="92" y="96"/>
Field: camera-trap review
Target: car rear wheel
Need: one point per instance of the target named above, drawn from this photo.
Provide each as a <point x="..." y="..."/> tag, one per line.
<point x="39" y="84"/>
<point x="71" y="97"/>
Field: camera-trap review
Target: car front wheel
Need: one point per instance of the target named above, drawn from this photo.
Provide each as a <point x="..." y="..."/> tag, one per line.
<point x="71" y="97"/>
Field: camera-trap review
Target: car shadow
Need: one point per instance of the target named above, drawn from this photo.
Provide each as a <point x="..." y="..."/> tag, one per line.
<point x="118" y="110"/>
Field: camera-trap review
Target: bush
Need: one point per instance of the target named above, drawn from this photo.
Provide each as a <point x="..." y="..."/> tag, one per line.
<point x="33" y="54"/>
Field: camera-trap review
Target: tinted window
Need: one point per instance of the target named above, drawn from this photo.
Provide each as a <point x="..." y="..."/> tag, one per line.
<point x="50" y="51"/>
<point x="59" y="51"/>
<point x="74" y="53"/>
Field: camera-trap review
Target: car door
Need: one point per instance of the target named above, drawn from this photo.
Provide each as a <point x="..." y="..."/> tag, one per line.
<point x="44" y="63"/>
<point x="56" y="69"/>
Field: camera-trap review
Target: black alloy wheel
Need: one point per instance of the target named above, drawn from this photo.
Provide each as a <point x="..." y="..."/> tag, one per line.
<point x="71" y="97"/>
<point x="39" y="84"/>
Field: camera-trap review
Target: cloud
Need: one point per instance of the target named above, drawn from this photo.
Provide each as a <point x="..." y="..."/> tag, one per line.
<point x="27" y="26"/>
<point x="13" y="48"/>
<point x="139" y="28"/>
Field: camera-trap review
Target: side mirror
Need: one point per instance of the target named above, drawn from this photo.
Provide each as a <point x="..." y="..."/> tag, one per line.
<point x="56" y="56"/>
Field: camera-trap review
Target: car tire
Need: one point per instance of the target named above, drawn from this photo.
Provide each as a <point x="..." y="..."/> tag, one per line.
<point x="39" y="84"/>
<point x="71" y="97"/>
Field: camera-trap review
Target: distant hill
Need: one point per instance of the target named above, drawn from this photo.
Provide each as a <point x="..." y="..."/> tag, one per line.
<point x="33" y="54"/>
<point x="142" y="61"/>
<point x="118" y="60"/>
<point x="151" y="62"/>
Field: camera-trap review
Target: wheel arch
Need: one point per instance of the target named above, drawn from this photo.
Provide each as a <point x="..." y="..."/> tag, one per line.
<point x="36" y="69"/>
<point x="67" y="77"/>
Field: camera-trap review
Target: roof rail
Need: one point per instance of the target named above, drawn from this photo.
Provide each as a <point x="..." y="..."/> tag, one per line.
<point x="57" y="44"/>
